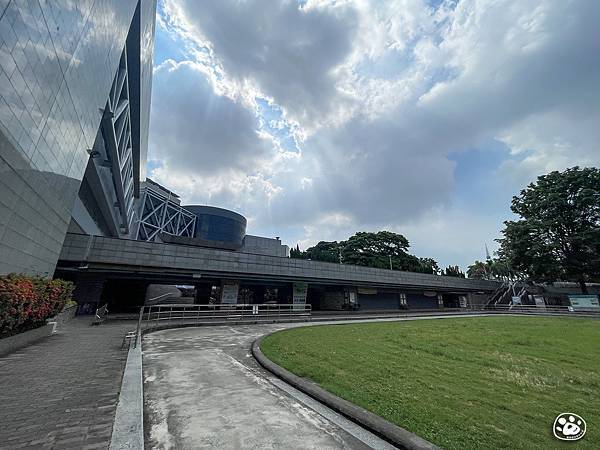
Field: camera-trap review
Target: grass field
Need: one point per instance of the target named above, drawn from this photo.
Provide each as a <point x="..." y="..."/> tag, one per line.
<point x="488" y="382"/>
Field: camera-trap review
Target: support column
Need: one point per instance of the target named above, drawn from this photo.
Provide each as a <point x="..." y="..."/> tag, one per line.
<point x="402" y="302"/>
<point x="258" y="294"/>
<point x="202" y="294"/>
<point x="285" y="294"/>
<point x="440" y="298"/>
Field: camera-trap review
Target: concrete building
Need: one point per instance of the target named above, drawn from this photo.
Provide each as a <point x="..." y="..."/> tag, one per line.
<point x="75" y="84"/>
<point x="118" y="271"/>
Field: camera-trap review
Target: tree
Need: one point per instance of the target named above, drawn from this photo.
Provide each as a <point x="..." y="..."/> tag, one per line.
<point x="371" y="250"/>
<point x="558" y="234"/>
<point x="454" y="271"/>
<point x="428" y="265"/>
<point x="323" y="251"/>
<point x="479" y="270"/>
<point x="295" y="252"/>
<point x="378" y="249"/>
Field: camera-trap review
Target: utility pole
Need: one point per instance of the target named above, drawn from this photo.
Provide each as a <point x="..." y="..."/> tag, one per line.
<point x="391" y="268"/>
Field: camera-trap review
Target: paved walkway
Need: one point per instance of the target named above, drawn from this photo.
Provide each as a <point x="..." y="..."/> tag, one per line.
<point x="203" y="389"/>
<point x="63" y="391"/>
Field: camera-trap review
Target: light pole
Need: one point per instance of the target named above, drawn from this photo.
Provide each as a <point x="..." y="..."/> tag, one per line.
<point x="390" y="256"/>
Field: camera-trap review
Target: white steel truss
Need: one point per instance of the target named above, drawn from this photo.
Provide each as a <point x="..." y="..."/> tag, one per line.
<point x="159" y="214"/>
<point x="116" y="130"/>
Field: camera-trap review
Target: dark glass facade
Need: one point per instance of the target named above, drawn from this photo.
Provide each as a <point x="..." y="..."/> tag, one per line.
<point x="58" y="63"/>
<point x="219" y="225"/>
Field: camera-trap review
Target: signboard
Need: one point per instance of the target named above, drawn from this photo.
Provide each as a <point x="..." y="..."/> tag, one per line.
<point x="352" y="298"/>
<point x="462" y="301"/>
<point x="229" y="292"/>
<point x="584" y="302"/>
<point x="299" y="291"/>
<point x="516" y="300"/>
<point x="367" y="291"/>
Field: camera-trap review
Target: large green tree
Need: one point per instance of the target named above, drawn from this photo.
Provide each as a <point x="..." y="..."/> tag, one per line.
<point x="557" y="237"/>
<point x="323" y="251"/>
<point x="382" y="249"/>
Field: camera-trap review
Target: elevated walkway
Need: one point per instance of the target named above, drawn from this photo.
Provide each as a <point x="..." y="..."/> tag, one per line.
<point x="189" y="264"/>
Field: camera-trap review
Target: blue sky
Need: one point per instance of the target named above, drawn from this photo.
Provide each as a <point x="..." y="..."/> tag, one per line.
<point x="320" y="118"/>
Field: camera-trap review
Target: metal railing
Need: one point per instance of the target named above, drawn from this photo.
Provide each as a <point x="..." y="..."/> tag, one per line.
<point x="556" y="309"/>
<point x="154" y="316"/>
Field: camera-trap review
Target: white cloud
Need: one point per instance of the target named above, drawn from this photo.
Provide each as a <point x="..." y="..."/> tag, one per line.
<point x="376" y="95"/>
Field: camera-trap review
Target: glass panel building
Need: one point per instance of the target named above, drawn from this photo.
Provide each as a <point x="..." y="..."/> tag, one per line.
<point x="75" y="85"/>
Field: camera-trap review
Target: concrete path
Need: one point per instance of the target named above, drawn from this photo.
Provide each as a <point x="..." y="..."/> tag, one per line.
<point x="203" y="389"/>
<point x="62" y="392"/>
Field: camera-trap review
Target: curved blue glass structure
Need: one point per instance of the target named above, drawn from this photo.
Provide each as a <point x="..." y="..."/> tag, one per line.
<point x="218" y="224"/>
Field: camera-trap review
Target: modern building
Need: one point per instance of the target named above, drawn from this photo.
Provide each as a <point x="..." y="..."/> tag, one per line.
<point x="75" y="85"/>
<point x="160" y="213"/>
<point x="162" y="218"/>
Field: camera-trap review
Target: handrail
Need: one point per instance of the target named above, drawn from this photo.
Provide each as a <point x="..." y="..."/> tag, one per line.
<point x="535" y="308"/>
<point x="155" y="315"/>
<point x="161" y="295"/>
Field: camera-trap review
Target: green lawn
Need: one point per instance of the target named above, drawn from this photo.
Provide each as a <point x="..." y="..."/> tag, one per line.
<point x="488" y="382"/>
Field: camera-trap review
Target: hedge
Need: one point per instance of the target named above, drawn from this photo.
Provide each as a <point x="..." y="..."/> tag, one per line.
<point x="27" y="301"/>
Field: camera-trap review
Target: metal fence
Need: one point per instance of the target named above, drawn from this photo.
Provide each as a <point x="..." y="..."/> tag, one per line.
<point x="174" y="315"/>
<point x="532" y="309"/>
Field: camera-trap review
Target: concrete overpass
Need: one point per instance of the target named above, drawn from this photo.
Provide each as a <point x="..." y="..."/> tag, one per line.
<point x="92" y="260"/>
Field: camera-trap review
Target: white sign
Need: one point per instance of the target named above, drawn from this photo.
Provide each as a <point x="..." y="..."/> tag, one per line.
<point x="352" y="298"/>
<point x="299" y="291"/>
<point x="516" y="300"/>
<point x="229" y="292"/>
<point x="584" y="302"/>
<point x="367" y="291"/>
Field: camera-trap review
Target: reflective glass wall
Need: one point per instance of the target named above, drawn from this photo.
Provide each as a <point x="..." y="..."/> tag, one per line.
<point x="58" y="60"/>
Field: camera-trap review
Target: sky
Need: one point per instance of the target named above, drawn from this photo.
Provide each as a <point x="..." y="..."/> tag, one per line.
<point x="316" y="119"/>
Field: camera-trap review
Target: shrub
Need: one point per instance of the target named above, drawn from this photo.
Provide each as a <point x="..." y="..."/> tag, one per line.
<point x="27" y="301"/>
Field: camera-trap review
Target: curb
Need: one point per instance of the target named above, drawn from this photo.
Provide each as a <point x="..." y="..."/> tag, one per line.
<point x="393" y="434"/>
<point x="128" y="425"/>
<point x="18" y="341"/>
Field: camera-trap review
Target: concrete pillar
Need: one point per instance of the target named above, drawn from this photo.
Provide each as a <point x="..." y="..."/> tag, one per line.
<point x="351" y="298"/>
<point x="402" y="301"/>
<point x="284" y="294"/>
<point x="335" y="299"/>
<point x="258" y="294"/>
<point x="202" y="294"/>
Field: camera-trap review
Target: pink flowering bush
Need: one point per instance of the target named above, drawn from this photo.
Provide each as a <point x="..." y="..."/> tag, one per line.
<point x="27" y="301"/>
